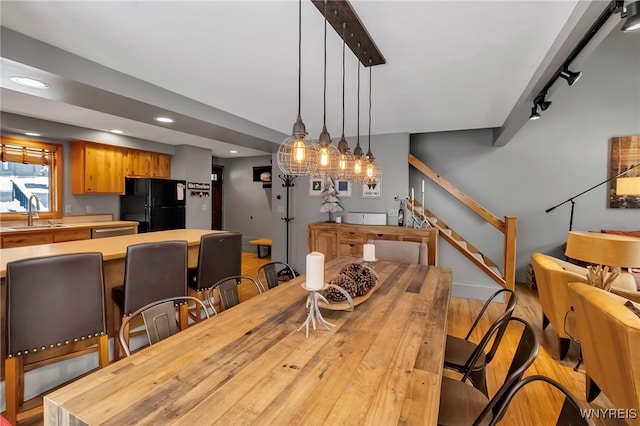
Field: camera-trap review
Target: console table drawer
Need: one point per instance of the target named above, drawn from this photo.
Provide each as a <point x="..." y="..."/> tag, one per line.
<point x="351" y="237"/>
<point x="350" y="249"/>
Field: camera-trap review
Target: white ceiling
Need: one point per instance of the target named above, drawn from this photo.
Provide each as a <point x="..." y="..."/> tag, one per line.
<point x="450" y="64"/>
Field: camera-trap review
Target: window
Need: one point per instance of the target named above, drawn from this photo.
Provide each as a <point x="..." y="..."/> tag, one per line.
<point x="30" y="168"/>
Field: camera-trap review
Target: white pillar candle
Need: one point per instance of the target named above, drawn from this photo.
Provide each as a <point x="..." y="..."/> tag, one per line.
<point x="412" y="198"/>
<point x="369" y="252"/>
<point x="315" y="271"/>
<point x="423" y="186"/>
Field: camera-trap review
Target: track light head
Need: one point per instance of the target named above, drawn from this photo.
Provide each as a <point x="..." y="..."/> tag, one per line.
<point x="632" y="13"/>
<point x="542" y="102"/>
<point x="570" y="76"/>
<point x="534" y="113"/>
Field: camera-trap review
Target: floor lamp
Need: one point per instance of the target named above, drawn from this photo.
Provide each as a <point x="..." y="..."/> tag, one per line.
<point x="632" y="185"/>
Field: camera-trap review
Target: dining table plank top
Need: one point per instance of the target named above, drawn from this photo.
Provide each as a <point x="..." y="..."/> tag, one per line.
<point x="381" y="363"/>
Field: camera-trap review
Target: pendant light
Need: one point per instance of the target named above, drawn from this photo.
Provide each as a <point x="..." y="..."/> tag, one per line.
<point x="327" y="156"/>
<point x="370" y="166"/>
<point x="357" y="151"/>
<point x="345" y="164"/>
<point x="296" y="154"/>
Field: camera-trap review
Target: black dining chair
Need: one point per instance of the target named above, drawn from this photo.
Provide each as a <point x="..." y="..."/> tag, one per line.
<point x="462" y="404"/>
<point x="219" y="256"/>
<point x="160" y="319"/>
<point x="458" y="350"/>
<point x="153" y="271"/>
<point x="271" y="274"/>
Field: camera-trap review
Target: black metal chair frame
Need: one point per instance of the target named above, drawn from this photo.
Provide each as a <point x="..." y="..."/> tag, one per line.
<point x="477" y="373"/>
<point x="271" y="274"/>
<point x="151" y="313"/>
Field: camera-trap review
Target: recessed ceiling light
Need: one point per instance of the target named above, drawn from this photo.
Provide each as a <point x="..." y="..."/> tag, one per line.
<point x="164" y="119"/>
<point x="32" y="134"/>
<point x="117" y="131"/>
<point x="29" y="82"/>
<point x="233" y="151"/>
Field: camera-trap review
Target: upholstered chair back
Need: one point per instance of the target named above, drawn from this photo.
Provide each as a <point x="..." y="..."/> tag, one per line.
<point x="610" y="342"/>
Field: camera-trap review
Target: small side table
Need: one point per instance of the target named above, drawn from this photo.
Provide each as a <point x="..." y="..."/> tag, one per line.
<point x="262" y="242"/>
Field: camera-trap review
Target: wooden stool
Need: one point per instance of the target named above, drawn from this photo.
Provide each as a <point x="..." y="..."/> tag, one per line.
<point x="262" y="242"/>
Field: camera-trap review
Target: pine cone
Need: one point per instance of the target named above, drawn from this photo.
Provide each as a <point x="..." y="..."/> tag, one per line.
<point x="341" y="281"/>
<point x="363" y="277"/>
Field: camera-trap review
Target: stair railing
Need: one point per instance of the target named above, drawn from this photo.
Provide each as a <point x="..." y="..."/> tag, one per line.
<point x="508" y="226"/>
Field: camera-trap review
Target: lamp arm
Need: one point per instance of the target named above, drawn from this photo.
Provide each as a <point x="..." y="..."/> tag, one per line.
<point x="592" y="188"/>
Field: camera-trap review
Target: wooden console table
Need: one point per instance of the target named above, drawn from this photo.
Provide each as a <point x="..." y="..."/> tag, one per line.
<point x="343" y="239"/>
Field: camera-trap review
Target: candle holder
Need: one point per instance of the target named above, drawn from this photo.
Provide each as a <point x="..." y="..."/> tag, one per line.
<point x="315" y="316"/>
<point x="369" y="264"/>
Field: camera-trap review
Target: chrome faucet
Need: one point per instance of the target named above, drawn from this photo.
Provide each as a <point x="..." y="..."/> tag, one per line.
<point x="30" y="213"/>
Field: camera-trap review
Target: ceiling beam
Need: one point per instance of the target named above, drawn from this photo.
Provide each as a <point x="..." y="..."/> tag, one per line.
<point x="340" y="12"/>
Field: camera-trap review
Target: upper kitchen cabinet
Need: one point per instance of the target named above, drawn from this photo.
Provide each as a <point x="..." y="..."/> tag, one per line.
<point x="96" y="168"/>
<point x="147" y="164"/>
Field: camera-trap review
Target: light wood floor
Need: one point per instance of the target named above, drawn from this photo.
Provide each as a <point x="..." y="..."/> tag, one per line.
<point x="537" y="404"/>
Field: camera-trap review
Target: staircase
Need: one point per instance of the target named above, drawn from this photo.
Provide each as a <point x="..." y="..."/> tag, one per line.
<point x="423" y="217"/>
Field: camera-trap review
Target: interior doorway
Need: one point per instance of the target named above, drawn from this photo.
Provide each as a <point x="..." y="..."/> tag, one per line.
<point x="216" y="196"/>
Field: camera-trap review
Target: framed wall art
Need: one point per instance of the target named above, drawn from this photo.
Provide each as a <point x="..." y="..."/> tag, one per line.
<point x="624" y="172"/>
<point x="315" y="186"/>
<point x="343" y="187"/>
<point x="372" y="188"/>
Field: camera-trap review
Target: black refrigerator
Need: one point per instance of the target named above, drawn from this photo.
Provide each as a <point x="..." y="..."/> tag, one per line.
<point x="157" y="204"/>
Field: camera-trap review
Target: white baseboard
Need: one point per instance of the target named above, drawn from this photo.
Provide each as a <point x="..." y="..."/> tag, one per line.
<point x="476" y="291"/>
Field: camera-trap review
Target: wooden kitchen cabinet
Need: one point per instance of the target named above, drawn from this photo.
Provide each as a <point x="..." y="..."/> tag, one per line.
<point x="96" y="168"/>
<point x="26" y="239"/>
<point x="343" y="239"/>
<point x="140" y="163"/>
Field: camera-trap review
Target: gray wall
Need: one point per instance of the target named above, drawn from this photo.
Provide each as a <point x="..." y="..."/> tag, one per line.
<point x="391" y="152"/>
<point x="548" y="161"/>
<point x="193" y="164"/>
<point x="247" y="205"/>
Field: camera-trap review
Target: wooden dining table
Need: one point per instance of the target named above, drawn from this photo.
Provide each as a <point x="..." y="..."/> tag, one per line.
<point x="380" y="364"/>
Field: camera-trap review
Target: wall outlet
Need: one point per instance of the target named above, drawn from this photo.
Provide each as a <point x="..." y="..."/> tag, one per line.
<point x="67" y="208"/>
<point x="280" y="209"/>
<point x="392" y="212"/>
<point x="204" y="207"/>
<point x="88" y="208"/>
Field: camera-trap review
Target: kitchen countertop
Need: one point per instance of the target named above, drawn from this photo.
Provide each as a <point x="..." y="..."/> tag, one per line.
<point x="111" y="248"/>
<point x="39" y="227"/>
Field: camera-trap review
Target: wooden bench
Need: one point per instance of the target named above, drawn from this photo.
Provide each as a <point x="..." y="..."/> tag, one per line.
<point x="262" y="242"/>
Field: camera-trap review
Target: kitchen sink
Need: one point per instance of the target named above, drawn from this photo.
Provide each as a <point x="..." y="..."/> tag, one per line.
<point x="47" y="226"/>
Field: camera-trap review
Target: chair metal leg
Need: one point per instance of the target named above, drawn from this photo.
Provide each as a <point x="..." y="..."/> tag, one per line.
<point x="479" y="380"/>
<point x="579" y="361"/>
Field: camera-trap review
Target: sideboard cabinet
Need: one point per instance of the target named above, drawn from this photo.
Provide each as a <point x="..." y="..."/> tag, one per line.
<point x="343" y="239"/>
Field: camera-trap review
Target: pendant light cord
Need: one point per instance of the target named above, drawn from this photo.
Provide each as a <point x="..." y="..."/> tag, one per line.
<point x="358" y="120"/>
<point x="369" y="106"/>
<point x="299" y="54"/>
<point x="324" y="115"/>
<point x="344" y="26"/>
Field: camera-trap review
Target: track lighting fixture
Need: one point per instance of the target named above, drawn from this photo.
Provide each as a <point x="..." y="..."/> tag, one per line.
<point x="570" y="76"/>
<point x="632" y="13"/>
<point x="539" y="101"/>
<point x="534" y="113"/>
